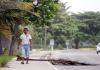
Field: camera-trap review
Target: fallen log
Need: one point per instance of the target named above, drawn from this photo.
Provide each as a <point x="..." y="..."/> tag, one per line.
<point x="59" y="61"/>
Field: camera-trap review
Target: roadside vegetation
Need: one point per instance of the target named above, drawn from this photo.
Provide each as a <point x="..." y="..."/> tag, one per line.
<point x="4" y="59"/>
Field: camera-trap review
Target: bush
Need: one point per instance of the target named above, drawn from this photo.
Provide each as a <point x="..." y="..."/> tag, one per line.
<point x="58" y="47"/>
<point x="4" y="59"/>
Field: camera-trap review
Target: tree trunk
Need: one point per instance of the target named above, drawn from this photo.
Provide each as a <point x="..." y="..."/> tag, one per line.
<point x="13" y="39"/>
<point x="77" y="45"/>
<point x="1" y="51"/>
<point x="76" y="41"/>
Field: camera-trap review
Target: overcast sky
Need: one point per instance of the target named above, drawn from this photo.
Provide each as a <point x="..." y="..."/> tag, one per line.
<point x="83" y="5"/>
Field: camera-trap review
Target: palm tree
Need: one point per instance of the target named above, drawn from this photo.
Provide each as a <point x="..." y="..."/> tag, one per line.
<point x="12" y="15"/>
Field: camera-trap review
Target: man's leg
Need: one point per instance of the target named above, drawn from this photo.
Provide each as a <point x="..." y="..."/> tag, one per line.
<point x="22" y="54"/>
<point x="27" y="59"/>
<point x="27" y="54"/>
<point x="97" y="52"/>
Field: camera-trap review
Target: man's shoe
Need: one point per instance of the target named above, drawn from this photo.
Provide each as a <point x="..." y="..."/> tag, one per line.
<point x="22" y="62"/>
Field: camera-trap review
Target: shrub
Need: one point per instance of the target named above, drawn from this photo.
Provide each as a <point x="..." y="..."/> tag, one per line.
<point x="4" y="59"/>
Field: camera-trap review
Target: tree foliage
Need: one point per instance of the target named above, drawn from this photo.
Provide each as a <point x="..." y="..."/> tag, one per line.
<point x="91" y="20"/>
<point x="46" y="9"/>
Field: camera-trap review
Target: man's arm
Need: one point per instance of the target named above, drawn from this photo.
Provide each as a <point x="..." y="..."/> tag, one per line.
<point x="30" y="44"/>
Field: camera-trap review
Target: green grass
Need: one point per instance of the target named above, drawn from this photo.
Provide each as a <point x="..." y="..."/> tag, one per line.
<point x="4" y="59"/>
<point x="89" y="46"/>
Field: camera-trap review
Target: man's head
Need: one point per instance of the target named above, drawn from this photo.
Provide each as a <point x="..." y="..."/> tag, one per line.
<point x="26" y="30"/>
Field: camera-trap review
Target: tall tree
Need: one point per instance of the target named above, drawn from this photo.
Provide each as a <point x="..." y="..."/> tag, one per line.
<point x="65" y="27"/>
<point x="12" y="16"/>
<point x="46" y="9"/>
<point x="92" y="25"/>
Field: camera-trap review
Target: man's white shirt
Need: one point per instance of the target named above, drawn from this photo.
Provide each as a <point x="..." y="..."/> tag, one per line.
<point x="25" y="38"/>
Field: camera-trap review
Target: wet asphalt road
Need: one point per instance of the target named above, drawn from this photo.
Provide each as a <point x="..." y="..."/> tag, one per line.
<point x="86" y="56"/>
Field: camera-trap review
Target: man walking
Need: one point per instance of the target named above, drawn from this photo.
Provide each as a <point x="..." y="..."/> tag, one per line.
<point x="25" y="43"/>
